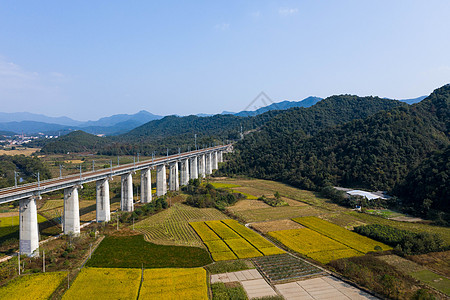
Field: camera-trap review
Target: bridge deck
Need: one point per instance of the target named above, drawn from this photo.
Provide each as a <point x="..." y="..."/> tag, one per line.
<point x="34" y="189"/>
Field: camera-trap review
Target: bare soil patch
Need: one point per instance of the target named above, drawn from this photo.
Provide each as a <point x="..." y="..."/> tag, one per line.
<point x="265" y="227"/>
<point x="249" y="204"/>
<point x="402" y="264"/>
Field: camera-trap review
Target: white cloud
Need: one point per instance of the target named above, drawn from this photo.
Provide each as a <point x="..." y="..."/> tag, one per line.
<point x="287" y="11"/>
<point x="222" y="26"/>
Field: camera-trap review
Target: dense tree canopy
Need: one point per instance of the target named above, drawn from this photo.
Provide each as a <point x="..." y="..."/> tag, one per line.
<point x="372" y="151"/>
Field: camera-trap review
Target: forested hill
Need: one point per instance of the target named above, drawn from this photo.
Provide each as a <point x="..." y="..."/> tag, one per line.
<point x="327" y="113"/>
<point x="374" y="153"/>
<point x="428" y="185"/>
<point x="27" y="168"/>
<point x="169" y="132"/>
<point x="77" y="141"/>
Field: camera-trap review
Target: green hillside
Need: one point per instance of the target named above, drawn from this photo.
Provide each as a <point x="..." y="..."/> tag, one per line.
<point x="374" y="153"/>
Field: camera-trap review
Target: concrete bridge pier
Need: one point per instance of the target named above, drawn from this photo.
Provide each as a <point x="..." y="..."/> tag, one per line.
<point x="72" y="210"/>
<point x="126" y="195"/>
<point x="193" y="168"/>
<point x="220" y="156"/>
<point x="146" y="186"/>
<point x="215" y="165"/>
<point x="174" y="184"/>
<point x="208" y="170"/>
<point x="184" y="176"/>
<point x="103" y="212"/>
<point x="161" y="180"/>
<point x="28" y="227"/>
<point x="201" y="166"/>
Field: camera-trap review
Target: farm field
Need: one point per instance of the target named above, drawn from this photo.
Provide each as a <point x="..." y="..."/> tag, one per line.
<point x="418" y="272"/>
<point x="249" y="212"/>
<point x="24" y="151"/>
<point x="278" y="268"/>
<point x="52" y="209"/>
<point x="9" y="227"/>
<point x="105" y="283"/>
<point x="227" y="239"/>
<point x="174" y="284"/>
<point x="342" y="235"/>
<point x="171" y="226"/>
<point x="134" y="252"/>
<point x="313" y="244"/>
<point x="267" y="187"/>
<point x="276" y="225"/>
<point x="435" y="261"/>
<point x="35" y="286"/>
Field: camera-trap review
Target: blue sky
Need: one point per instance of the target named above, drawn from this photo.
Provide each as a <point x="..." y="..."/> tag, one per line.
<point x="88" y="59"/>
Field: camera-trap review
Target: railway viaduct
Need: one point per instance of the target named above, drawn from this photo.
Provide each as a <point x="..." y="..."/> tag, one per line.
<point x="182" y="167"/>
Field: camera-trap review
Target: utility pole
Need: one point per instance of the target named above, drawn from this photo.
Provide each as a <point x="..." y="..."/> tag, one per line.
<point x="60" y="171"/>
<point x="195" y="141"/>
<point x="167" y="151"/>
<point x="138" y="156"/>
<point x="15" y="178"/>
<point x="117" y="160"/>
<point x="93" y="165"/>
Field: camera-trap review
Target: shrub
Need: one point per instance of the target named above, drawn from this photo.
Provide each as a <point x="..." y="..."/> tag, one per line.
<point x="404" y="241"/>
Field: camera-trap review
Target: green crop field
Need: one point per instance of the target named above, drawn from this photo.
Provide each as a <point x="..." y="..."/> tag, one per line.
<point x="171" y="226"/>
<point x="135" y="252"/>
<point x="342" y="235"/>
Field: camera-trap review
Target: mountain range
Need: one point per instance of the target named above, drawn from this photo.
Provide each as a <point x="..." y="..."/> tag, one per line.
<point x="29" y="123"/>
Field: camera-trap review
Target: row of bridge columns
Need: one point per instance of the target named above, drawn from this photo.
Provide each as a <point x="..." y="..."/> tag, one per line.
<point x="190" y="168"/>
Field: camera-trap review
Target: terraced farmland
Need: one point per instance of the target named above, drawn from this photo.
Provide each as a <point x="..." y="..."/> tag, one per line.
<point x="36" y="286"/>
<point x="313" y="244"/>
<point x="342" y="235"/>
<point x="227" y="239"/>
<point x="171" y="226"/>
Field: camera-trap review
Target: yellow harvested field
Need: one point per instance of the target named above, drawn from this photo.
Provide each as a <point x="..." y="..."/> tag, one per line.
<point x="243" y="205"/>
<point x="253" y="238"/>
<point x="222" y="230"/>
<point x="14" y="220"/>
<point x="342" y="235"/>
<point x="227" y="255"/>
<point x="235" y="240"/>
<point x="74" y="161"/>
<point x="219" y="185"/>
<point x="105" y="283"/>
<point x="24" y="151"/>
<point x="217" y="246"/>
<point x="33" y="287"/>
<point x="205" y="233"/>
<point x="173" y="283"/>
<point x="313" y="244"/>
<point x="276" y="225"/>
